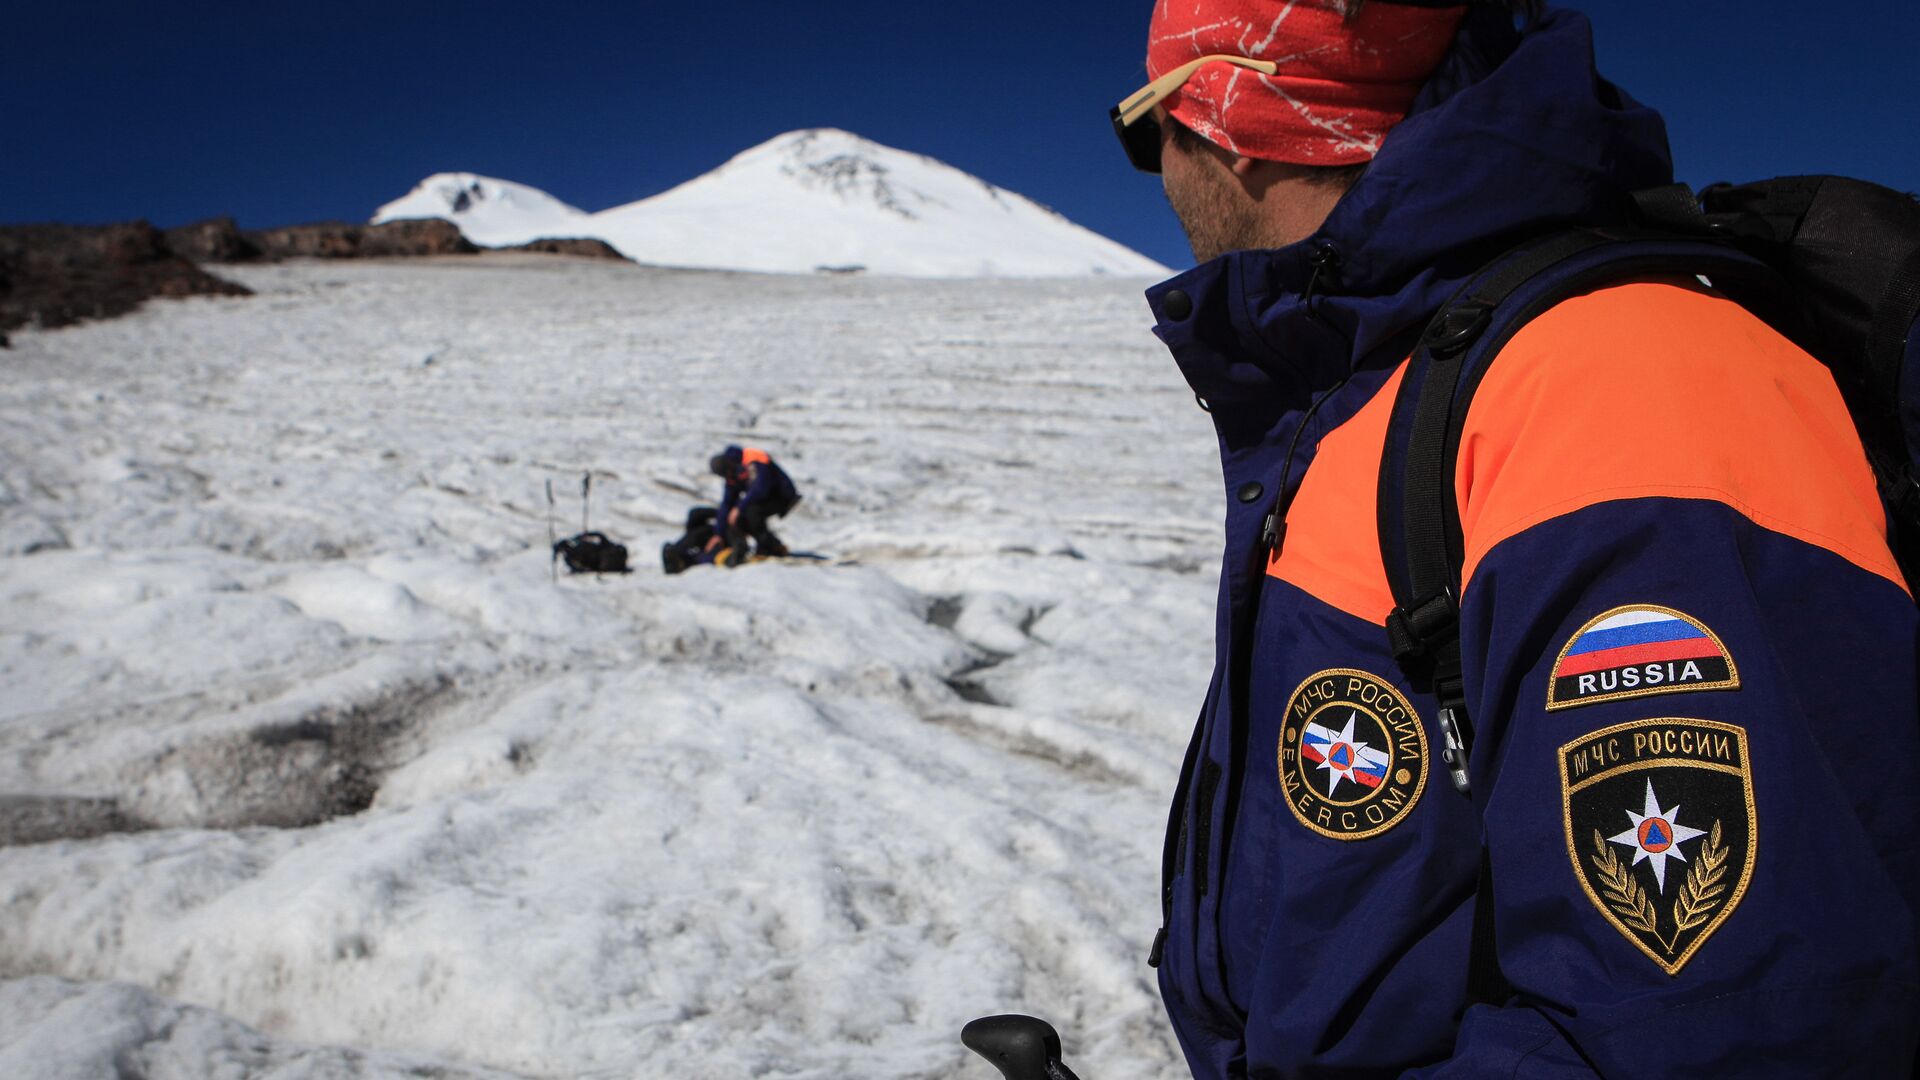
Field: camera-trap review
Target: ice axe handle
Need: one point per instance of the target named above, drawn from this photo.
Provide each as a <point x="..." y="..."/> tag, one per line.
<point x="1021" y="1047"/>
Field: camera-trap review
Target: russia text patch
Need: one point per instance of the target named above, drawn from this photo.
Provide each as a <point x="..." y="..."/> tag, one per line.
<point x="1353" y="755"/>
<point x="1636" y="651"/>
<point x="1662" y="830"/>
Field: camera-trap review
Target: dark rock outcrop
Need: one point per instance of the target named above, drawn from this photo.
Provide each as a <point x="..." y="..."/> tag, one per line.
<point x="585" y="247"/>
<point x="425" y="236"/>
<point x="213" y="240"/>
<point x="219" y="240"/>
<point x="55" y="275"/>
<point x="338" y="240"/>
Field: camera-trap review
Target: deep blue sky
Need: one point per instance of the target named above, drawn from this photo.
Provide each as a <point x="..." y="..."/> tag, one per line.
<point x="278" y="113"/>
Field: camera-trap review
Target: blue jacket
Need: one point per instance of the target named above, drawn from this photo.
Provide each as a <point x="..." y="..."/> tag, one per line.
<point x="757" y="480"/>
<point x="1689" y="653"/>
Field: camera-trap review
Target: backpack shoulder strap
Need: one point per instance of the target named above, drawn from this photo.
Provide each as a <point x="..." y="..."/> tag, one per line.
<point x="1419" y="519"/>
<point x="1416" y="506"/>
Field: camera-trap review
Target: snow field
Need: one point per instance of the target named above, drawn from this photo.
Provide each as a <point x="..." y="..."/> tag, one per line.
<point x="308" y="769"/>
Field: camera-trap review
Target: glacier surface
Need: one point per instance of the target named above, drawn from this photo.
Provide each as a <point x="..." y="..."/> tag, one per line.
<point x="309" y="769"/>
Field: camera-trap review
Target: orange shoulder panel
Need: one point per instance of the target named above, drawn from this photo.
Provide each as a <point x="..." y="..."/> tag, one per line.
<point x="1663" y="390"/>
<point x="754" y="456"/>
<point x="1332" y="549"/>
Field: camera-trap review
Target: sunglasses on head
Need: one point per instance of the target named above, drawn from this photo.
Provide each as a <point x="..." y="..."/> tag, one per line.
<point x="1139" y="132"/>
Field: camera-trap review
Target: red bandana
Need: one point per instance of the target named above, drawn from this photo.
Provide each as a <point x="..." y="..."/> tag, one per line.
<point x="1340" y="87"/>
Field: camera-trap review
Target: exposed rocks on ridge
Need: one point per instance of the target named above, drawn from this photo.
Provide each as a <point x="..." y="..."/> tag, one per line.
<point x="220" y="240"/>
<point x="55" y="275"/>
<point x="583" y="246"/>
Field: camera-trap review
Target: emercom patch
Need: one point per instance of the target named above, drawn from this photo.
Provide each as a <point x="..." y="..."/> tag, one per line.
<point x="1662" y="829"/>
<point x="1353" y="754"/>
<point x="1636" y="651"/>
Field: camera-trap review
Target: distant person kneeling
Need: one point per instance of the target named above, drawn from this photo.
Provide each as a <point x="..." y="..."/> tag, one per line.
<point x="697" y="546"/>
<point x="757" y="491"/>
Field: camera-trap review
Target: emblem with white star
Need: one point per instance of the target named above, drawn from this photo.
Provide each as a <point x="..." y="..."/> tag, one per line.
<point x="1352" y="754"/>
<point x="1656" y="836"/>
<point x="1344" y="756"/>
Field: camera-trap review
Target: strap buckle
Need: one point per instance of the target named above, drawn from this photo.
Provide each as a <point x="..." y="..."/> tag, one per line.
<point x="1418" y="633"/>
<point x="1426" y="642"/>
<point x="1455" y="731"/>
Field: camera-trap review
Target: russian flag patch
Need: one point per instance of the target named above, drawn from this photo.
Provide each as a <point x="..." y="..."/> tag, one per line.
<point x="1638" y="651"/>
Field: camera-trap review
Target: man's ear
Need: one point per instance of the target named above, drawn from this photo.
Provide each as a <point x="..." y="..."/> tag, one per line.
<point x="1243" y="166"/>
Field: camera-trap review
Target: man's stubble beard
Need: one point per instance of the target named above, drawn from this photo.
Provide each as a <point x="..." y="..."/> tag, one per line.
<point x="1214" y="221"/>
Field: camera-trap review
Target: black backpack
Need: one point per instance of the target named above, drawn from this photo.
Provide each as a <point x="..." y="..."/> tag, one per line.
<point x="592" y="553"/>
<point x="1832" y="263"/>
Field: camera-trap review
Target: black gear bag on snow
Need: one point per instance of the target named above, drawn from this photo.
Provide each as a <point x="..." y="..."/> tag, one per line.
<point x="587" y="552"/>
<point x="1831" y="263"/>
<point x="592" y="553"/>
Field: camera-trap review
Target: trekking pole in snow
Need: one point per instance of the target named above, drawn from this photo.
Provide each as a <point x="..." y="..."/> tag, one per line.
<point x="553" y="547"/>
<point x="1021" y="1047"/>
<point x="586" y="489"/>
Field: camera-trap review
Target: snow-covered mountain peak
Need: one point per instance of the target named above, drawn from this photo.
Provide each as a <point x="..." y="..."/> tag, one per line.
<point x="857" y="171"/>
<point x="488" y="210"/>
<point x="463" y="192"/>
<point x="811" y="148"/>
<point x="848" y="166"/>
<point x="808" y="200"/>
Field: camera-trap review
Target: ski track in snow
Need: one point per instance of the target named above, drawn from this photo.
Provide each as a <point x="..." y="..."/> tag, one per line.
<point x="308" y="770"/>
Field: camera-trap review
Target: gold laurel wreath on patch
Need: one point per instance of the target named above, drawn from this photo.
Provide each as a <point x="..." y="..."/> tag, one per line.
<point x="1706" y="882"/>
<point x="1623" y="894"/>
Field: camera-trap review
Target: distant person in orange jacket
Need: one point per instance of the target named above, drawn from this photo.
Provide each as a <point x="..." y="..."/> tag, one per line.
<point x="757" y="490"/>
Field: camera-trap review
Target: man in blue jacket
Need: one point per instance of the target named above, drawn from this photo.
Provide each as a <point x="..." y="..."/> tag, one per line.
<point x="1691" y="841"/>
<point x="757" y="490"/>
